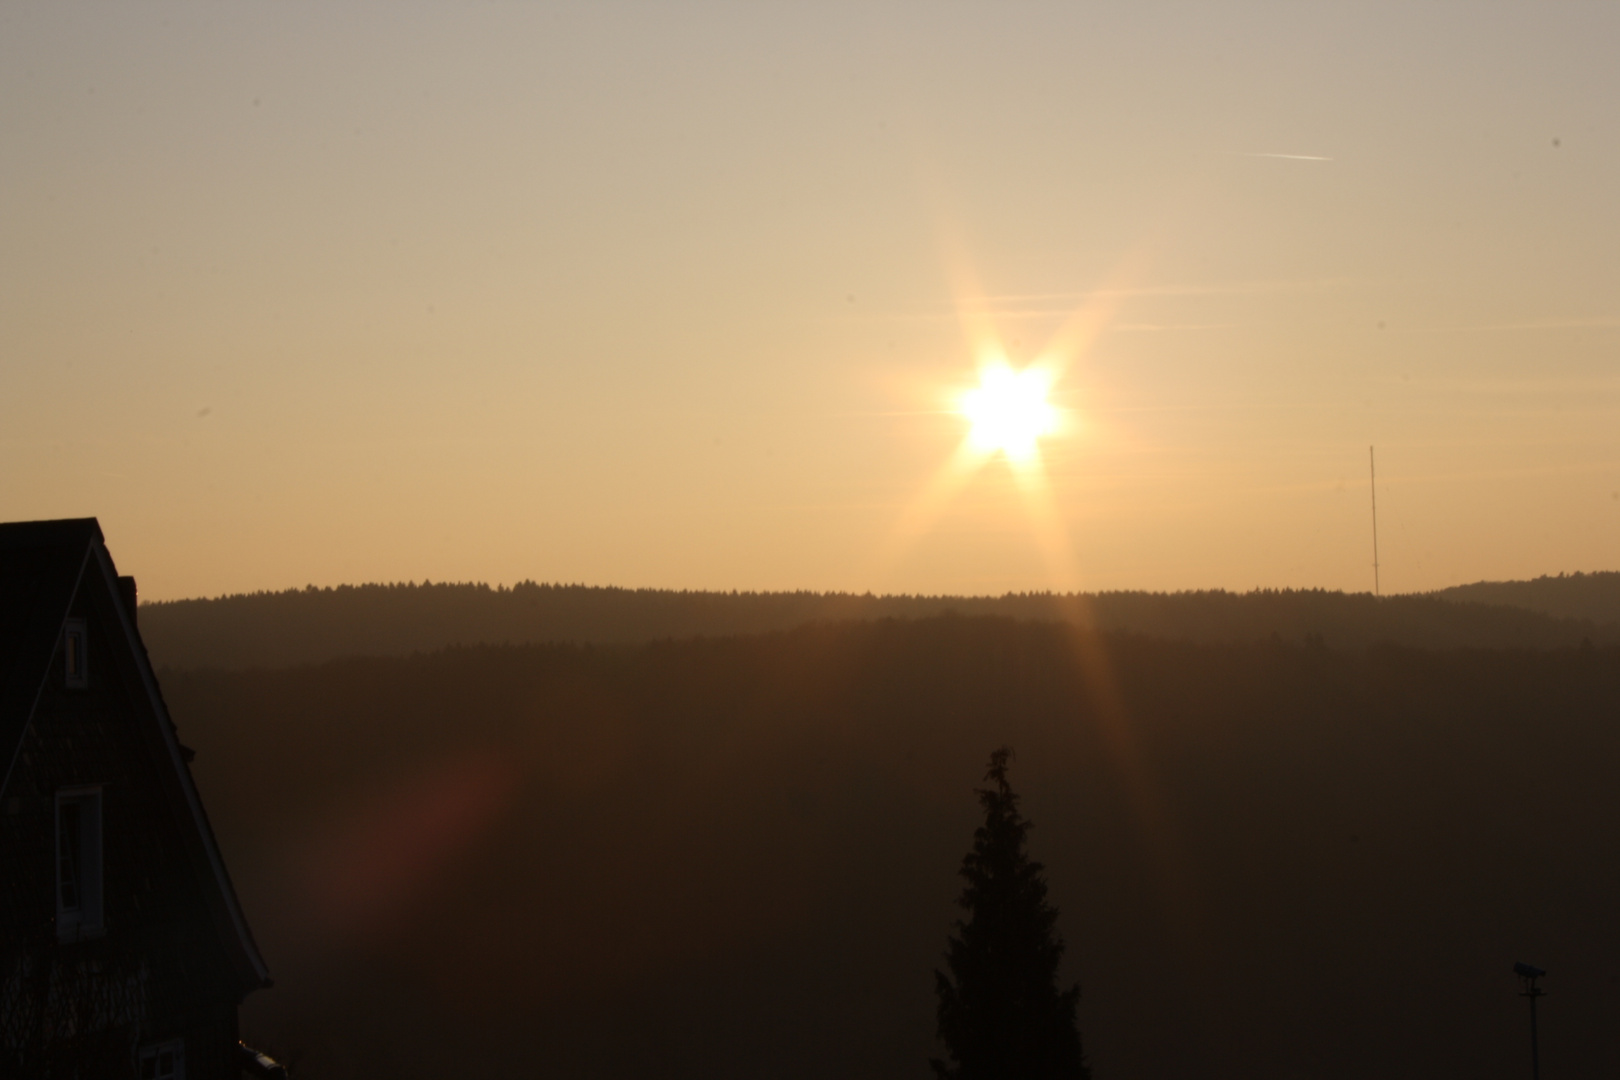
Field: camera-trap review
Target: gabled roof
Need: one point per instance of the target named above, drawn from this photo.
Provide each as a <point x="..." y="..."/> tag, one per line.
<point x="45" y="567"/>
<point x="40" y="566"/>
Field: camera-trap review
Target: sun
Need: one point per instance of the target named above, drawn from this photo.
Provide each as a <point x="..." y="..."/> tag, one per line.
<point x="1009" y="411"/>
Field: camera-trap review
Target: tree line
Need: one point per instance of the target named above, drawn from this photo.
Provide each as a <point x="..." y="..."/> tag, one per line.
<point x="312" y="625"/>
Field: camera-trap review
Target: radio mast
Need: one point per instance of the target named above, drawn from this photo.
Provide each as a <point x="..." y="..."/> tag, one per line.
<point x="1372" y="468"/>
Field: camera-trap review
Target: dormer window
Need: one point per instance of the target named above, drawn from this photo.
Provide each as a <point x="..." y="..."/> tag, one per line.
<point x="165" y="1061"/>
<point x="78" y="863"/>
<point x="74" y="640"/>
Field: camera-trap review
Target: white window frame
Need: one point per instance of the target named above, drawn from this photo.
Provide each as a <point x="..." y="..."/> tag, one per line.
<point x="79" y="916"/>
<point x="154" y="1054"/>
<point x="75" y="638"/>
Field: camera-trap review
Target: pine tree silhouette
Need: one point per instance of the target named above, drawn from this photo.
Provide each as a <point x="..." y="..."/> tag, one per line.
<point x="1001" y="1014"/>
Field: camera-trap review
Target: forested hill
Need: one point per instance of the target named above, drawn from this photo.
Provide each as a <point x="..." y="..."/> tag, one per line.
<point x="1570" y="596"/>
<point x="311" y="625"/>
<point x="737" y="857"/>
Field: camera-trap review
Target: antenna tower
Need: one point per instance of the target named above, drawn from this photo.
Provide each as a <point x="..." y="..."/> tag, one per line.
<point x="1372" y="468"/>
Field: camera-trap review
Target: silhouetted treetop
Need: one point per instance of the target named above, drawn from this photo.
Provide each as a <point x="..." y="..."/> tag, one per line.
<point x="1001" y="1014"/>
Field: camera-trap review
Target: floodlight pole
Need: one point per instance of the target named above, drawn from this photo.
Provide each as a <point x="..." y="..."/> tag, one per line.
<point x="1532" y="991"/>
<point x="1535" y="1047"/>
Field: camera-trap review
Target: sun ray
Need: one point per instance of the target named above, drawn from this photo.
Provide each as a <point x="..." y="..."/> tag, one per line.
<point x="1008" y="416"/>
<point x="977" y="321"/>
<point x="921" y="513"/>
<point x="1075" y="337"/>
<point x="1051" y="535"/>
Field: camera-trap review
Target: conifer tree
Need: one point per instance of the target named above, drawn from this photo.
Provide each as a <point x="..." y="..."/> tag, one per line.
<point x="1001" y="1014"/>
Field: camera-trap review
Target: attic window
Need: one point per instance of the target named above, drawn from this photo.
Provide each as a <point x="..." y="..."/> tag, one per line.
<point x="164" y="1061"/>
<point x="74" y="639"/>
<point x="78" y="863"/>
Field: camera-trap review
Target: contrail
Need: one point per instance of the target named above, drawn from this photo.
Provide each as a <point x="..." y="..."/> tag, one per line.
<point x="1285" y="157"/>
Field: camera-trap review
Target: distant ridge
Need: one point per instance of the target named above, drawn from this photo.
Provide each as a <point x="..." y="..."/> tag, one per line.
<point x="1568" y="596"/>
<point x="311" y="625"/>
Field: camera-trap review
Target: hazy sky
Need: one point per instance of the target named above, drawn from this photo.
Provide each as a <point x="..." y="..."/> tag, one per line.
<point x="671" y="294"/>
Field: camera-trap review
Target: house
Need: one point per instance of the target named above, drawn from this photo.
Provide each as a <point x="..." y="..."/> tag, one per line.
<point x="123" y="950"/>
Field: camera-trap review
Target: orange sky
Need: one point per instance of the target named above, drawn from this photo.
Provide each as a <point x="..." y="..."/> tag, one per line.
<point x="673" y="294"/>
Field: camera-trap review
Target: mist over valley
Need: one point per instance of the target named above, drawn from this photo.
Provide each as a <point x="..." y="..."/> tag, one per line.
<point x="705" y="854"/>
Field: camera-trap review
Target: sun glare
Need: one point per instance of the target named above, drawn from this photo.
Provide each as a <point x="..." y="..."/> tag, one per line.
<point x="1009" y="411"/>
